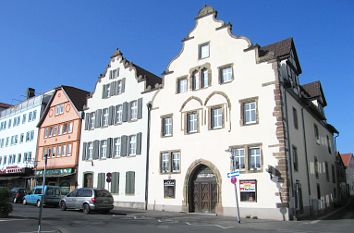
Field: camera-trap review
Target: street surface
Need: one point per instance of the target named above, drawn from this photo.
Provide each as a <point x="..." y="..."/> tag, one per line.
<point x="24" y="219"/>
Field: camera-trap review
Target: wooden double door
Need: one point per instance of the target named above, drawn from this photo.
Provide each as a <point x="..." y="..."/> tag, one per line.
<point x="203" y="191"/>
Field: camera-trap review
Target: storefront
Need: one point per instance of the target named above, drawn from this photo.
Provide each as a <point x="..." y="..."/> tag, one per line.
<point x="14" y="176"/>
<point x="63" y="177"/>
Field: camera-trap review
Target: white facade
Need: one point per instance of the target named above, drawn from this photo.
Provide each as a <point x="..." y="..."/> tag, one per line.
<point x="118" y="134"/>
<point x="238" y="112"/>
<point x="18" y="137"/>
<point x="350" y="174"/>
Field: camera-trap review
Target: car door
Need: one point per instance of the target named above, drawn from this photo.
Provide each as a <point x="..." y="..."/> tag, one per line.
<point x="70" y="197"/>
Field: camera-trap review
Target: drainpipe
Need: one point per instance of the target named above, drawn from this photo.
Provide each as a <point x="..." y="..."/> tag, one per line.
<point x="306" y="155"/>
<point x="149" y="106"/>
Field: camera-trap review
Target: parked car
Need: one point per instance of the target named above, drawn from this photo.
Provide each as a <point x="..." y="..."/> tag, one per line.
<point x="52" y="196"/>
<point x="88" y="199"/>
<point x="17" y="194"/>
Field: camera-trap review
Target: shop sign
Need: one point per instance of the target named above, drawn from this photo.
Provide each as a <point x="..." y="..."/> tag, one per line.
<point x="169" y="188"/>
<point x="12" y="170"/>
<point x="248" y="185"/>
<point x="61" y="171"/>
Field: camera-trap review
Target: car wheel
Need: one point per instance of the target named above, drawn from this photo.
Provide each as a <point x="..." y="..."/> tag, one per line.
<point x="24" y="202"/>
<point x="86" y="209"/>
<point x="62" y="206"/>
<point x="15" y="200"/>
<point x="38" y="203"/>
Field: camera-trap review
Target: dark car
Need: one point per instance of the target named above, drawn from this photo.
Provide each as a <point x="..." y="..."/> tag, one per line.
<point x="17" y="194"/>
<point x="88" y="199"/>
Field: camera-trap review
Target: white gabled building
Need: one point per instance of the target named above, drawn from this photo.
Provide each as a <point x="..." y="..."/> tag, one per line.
<point x="229" y="104"/>
<point x="115" y="133"/>
<point x="18" y="140"/>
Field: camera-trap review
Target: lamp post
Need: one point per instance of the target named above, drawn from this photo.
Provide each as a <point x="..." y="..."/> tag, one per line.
<point x="43" y="192"/>
<point x="235" y="164"/>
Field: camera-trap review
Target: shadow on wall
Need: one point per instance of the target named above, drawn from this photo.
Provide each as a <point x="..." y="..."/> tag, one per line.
<point x="275" y="176"/>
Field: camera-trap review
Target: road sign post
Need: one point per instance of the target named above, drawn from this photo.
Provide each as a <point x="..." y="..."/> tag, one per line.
<point x="237" y="206"/>
<point x="232" y="175"/>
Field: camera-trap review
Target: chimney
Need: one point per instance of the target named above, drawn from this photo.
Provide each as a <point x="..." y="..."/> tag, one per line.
<point x="30" y="92"/>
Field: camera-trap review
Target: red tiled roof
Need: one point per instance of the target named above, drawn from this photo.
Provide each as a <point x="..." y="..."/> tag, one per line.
<point x="346" y="158"/>
<point x="4" y="105"/>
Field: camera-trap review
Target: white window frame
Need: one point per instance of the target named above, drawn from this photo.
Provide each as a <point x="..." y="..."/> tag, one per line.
<point x="192" y="122"/>
<point x="165" y="162"/>
<point x="216" y="117"/>
<point x="132" y="145"/>
<point x="134" y="110"/>
<point x="90" y="150"/>
<point x="105" y="114"/>
<point x="176" y="156"/>
<point x="204" y="78"/>
<point x="182" y="85"/>
<point x="195" y="81"/>
<point x="92" y="120"/>
<point x="204" y="51"/>
<point x="250" y="112"/>
<point x="226" y="74"/>
<point x="69" y="149"/>
<point x="167" y="126"/>
<point x="117" y="147"/>
<point x="253" y="156"/>
<point x="119" y="114"/>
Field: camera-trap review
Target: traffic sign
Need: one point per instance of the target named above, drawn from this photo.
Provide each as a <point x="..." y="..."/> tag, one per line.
<point x="109" y="177"/>
<point x="233" y="180"/>
<point x="233" y="174"/>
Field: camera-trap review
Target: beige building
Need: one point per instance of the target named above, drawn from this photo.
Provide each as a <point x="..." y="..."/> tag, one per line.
<point x="228" y="104"/>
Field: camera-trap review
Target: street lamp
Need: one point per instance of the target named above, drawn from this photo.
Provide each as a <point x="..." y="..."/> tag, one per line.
<point x="43" y="192"/>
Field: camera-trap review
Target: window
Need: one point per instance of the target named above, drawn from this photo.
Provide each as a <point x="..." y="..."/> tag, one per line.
<point x="119" y="87"/>
<point x="170" y="162"/>
<point x="59" y="109"/>
<point x="105" y="117"/>
<point x="103" y="149"/>
<point x="333" y="175"/>
<point x="50" y="133"/>
<point x="192" y="122"/>
<point x="182" y="85"/>
<point x="132" y="145"/>
<point x="169" y="188"/>
<point x="65" y="128"/>
<point x="317" y="134"/>
<point x="329" y="145"/>
<point x="58" y="151"/>
<point x="119" y="114"/>
<point x="195" y="81"/>
<point x="296" y="159"/>
<point x="318" y="192"/>
<point x="68" y="151"/>
<point x="54" y="151"/>
<point x="117" y="147"/>
<point x="238" y="159"/>
<point x="204" y="50"/>
<point x="216" y="118"/>
<point x="316" y="167"/>
<point x="254" y="155"/>
<point x="19" y="158"/>
<point x="249" y="113"/>
<point x="114" y="73"/>
<point x="205" y="78"/>
<point x="63" y="150"/>
<point x="92" y="120"/>
<point x="296" y="124"/>
<point x="130" y="183"/>
<point x="115" y="182"/>
<point x="46" y="132"/>
<point x="134" y="110"/>
<point x="60" y="129"/>
<point x="226" y="74"/>
<point x="167" y="127"/>
<point x="55" y="129"/>
<point x="248" y="190"/>
<point x="23" y="118"/>
<point x="327" y="171"/>
<point x="35" y="114"/>
<point x="90" y="150"/>
<point x="70" y="127"/>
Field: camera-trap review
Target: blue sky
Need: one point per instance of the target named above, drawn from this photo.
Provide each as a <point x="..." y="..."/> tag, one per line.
<point x="44" y="43"/>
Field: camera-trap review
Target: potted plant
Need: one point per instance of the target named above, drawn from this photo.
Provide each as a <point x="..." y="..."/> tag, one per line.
<point x="5" y="205"/>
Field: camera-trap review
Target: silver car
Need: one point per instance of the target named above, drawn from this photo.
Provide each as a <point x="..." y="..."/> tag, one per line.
<point x="88" y="199"/>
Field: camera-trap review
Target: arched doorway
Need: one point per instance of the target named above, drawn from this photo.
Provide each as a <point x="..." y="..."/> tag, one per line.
<point x="88" y="180"/>
<point x="202" y="190"/>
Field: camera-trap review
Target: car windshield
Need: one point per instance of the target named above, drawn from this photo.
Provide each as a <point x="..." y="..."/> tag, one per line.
<point x="53" y="191"/>
<point x="102" y="193"/>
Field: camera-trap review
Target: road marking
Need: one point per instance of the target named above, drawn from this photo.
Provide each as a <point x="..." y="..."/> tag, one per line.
<point x="315" y="221"/>
<point x="12" y="219"/>
<point x="36" y="231"/>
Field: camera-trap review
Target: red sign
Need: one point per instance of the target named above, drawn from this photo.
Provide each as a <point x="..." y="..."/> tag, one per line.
<point x="233" y="180"/>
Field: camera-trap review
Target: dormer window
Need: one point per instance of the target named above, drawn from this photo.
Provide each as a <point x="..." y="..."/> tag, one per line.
<point x="204" y="50"/>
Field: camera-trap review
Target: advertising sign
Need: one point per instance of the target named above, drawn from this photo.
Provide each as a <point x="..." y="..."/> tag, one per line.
<point x="248" y="185"/>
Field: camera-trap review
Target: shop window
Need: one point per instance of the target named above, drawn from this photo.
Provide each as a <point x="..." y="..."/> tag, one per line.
<point x="248" y="190"/>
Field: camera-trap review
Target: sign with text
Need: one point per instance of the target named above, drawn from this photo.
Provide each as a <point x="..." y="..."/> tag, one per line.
<point x="248" y="185"/>
<point x="169" y="187"/>
<point x="61" y="171"/>
<point x="233" y="174"/>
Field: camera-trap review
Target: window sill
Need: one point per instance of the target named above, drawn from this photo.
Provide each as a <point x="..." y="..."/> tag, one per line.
<point x="169" y="173"/>
<point x="226" y="82"/>
<point x="190" y="133"/>
<point x="218" y="128"/>
<point x="250" y="124"/>
<point x="167" y="136"/>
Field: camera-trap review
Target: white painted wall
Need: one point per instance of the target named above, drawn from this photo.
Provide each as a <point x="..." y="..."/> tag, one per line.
<point x="211" y="145"/>
<point x="133" y="91"/>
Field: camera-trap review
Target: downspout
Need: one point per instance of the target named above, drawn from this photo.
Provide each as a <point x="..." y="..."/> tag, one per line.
<point x="306" y="155"/>
<point x="149" y="106"/>
<point x="291" y="186"/>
